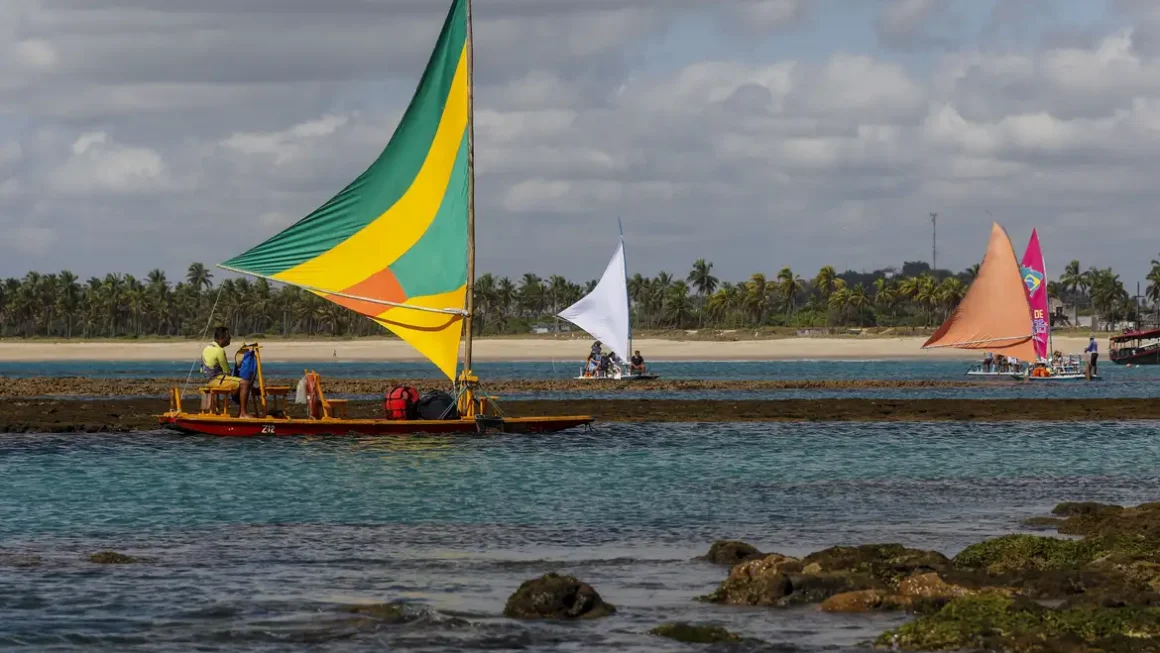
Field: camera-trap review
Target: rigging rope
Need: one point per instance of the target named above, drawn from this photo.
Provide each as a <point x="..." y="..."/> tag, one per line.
<point x="203" y="334"/>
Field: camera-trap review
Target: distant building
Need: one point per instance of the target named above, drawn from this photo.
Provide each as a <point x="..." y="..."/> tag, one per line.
<point x="554" y="327"/>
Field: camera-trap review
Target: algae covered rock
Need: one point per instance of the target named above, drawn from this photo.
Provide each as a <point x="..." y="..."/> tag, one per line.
<point x="886" y="563"/>
<point x="112" y="558"/>
<point x="994" y="622"/>
<point x="694" y="633"/>
<point x="931" y="586"/>
<point x="862" y="601"/>
<point x="1016" y="553"/>
<point x="758" y="582"/>
<point x="732" y="552"/>
<point x="555" y="596"/>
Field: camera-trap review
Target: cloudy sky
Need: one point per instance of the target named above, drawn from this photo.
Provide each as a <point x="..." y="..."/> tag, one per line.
<point x="758" y="133"/>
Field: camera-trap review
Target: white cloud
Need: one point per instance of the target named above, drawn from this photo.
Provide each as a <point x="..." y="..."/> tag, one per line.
<point x="100" y="165"/>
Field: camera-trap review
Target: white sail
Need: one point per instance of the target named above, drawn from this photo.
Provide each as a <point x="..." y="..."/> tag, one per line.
<point x="603" y="313"/>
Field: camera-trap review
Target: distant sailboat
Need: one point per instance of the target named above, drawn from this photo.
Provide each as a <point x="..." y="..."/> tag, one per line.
<point x="994" y="316"/>
<point x="604" y="314"/>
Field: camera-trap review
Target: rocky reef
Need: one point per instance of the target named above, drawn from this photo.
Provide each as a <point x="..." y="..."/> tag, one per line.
<point x="1020" y="593"/>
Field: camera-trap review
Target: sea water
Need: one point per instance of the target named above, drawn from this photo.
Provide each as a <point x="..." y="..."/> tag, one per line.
<point x="1117" y="382"/>
<point x="255" y="545"/>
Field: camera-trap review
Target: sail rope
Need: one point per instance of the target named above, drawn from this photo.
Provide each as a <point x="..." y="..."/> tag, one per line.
<point x="205" y="332"/>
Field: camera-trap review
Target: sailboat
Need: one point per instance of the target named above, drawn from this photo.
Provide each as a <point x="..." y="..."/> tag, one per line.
<point x="1033" y="271"/>
<point x="605" y="315"/>
<point x="397" y="245"/>
<point x="994" y="315"/>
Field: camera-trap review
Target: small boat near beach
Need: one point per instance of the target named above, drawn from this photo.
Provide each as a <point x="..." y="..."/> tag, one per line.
<point x="605" y="315"/>
<point x="397" y="245"/>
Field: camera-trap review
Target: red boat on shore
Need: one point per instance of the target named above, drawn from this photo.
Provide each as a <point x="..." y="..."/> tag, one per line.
<point x="1135" y="347"/>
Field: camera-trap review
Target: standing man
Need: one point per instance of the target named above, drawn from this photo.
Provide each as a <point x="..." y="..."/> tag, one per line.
<point x="1093" y="352"/>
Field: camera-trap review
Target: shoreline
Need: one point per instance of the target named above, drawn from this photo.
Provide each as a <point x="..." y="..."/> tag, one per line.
<point x="655" y="350"/>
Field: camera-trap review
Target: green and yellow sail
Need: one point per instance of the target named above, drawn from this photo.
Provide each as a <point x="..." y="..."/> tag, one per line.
<point x="393" y="244"/>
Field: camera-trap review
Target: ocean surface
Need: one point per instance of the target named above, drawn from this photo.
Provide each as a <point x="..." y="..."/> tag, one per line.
<point x="257" y="545"/>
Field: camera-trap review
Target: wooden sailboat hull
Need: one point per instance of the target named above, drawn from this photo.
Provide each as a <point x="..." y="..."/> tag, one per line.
<point x="219" y="425"/>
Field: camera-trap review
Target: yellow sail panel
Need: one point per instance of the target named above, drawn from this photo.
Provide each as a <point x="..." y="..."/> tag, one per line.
<point x="435" y="335"/>
<point x="994" y="315"/>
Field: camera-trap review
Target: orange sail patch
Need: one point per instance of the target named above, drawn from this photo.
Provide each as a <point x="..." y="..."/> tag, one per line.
<point x="381" y="285"/>
<point x="994" y="315"/>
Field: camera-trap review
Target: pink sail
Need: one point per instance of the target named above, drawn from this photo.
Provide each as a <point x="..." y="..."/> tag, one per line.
<point x="1035" y="280"/>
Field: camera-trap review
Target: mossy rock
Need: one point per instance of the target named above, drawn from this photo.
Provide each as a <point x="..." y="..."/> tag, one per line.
<point x="555" y="596"/>
<point x="1015" y="553"/>
<point x="993" y="622"/>
<point x="886" y="563"/>
<point x="1084" y="518"/>
<point x="694" y="633"/>
<point x="732" y="552"/>
<point x="112" y="558"/>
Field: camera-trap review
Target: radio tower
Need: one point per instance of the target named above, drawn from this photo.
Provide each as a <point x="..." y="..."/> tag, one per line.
<point x="933" y="243"/>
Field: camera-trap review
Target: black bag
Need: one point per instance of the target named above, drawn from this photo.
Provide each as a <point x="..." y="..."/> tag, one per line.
<point x="434" y="404"/>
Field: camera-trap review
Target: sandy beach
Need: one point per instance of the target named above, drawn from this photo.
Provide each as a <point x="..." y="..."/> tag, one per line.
<point x="509" y="349"/>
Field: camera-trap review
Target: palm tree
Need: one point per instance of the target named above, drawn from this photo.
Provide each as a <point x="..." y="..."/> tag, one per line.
<point x="757" y="293"/>
<point x="790" y="286"/>
<point x="486" y="295"/>
<point x="199" y="277"/>
<point x="1072" y="278"/>
<point x="824" y="282"/>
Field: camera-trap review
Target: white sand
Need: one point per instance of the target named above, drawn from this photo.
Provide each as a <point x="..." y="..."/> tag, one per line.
<point x="563" y="350"/>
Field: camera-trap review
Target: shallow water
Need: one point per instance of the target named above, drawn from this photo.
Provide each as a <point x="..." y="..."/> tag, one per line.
<point x="253" y="545"/>
<point x="1117" y="382"/>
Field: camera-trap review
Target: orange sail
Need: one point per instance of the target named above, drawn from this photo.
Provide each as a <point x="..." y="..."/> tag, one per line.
<point x="994" y="315"/>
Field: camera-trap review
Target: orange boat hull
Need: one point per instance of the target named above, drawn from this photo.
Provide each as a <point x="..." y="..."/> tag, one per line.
<point x="234" y="427"/>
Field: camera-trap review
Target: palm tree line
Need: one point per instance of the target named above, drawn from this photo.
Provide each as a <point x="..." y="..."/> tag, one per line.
<point x="60" y="305"/>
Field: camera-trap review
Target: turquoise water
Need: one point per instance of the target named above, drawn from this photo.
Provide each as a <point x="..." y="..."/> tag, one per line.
<point x="252" y="545"/>
<point x="1117" y="381"/>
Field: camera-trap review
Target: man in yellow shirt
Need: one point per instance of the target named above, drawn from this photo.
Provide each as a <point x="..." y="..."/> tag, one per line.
<point x="216" y="369"/>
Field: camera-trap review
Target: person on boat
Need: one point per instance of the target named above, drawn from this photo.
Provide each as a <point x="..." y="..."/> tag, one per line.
<point x="1093" y="352"/>
<point x="636" y="363"/>
<point x="988" y="361"/>
<point x="605" y="366"/>
<point x="215" y="367"/>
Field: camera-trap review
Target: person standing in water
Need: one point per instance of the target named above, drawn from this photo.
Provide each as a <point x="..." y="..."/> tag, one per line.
<point x="1093" y="353"/>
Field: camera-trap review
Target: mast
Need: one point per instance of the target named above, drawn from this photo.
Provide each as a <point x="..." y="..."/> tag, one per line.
<point x="470" y="303"/>
<point x="1047" y="296"/>
<point x="627" y="299"/>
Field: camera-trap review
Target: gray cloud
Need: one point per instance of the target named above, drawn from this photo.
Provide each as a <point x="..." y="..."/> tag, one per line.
<point x="143" y="134"/>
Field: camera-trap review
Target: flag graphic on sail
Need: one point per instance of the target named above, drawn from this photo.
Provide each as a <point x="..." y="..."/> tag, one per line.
<point x="1035" y="279"/>
<point x="994" y="315"/>
<point x="392" y="245"/>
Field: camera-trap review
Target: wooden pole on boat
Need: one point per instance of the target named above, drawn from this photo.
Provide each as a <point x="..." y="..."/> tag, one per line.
<point x="470" y="304"/>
